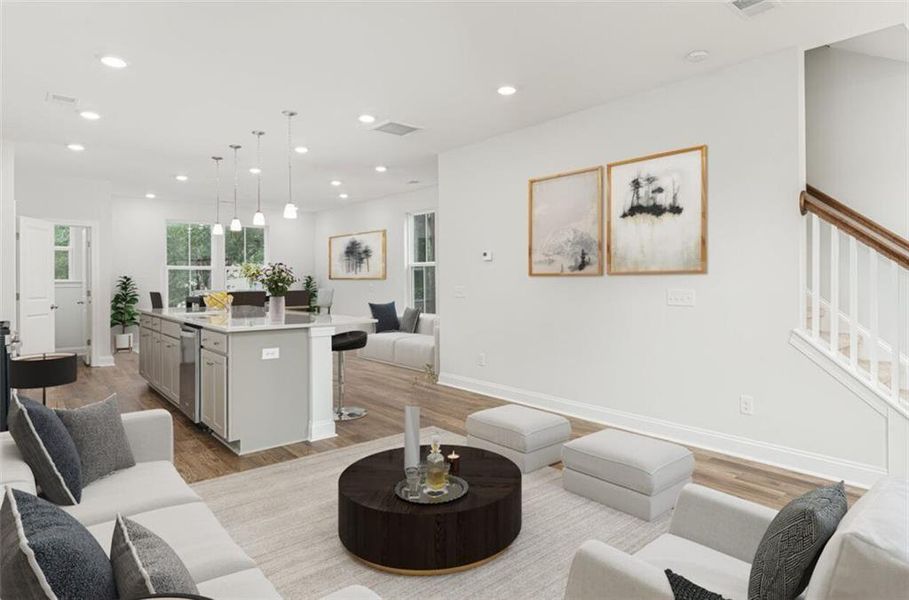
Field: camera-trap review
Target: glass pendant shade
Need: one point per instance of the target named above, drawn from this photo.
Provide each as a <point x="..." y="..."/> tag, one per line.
<point x="290" y="211"/>
<point x="235" y="224"/>
<point x="217" y="229"/>
<point x="259" y="218"/>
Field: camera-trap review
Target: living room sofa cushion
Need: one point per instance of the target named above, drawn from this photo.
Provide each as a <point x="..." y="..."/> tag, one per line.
<point x="195" y="535"/>
<point x="636" y="462"/>
<point x="786" y="556"/>
<point x="97" y="430"/>
<point x="249" y="584"/>
<point x="145" y="564"/>
<point x="147" y="486"/>
<point x="381" y="346"/>
<point x="15" y="472"/>
<point x="45" y="553"/>
<point x="712" y="570"/>
<point x="414" y="350"/>
<point x="386" y="315"/>
<point x="48" y="449"/>
<point x="868" y="556"/>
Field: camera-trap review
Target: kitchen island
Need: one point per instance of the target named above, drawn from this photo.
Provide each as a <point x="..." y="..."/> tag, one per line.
<point x="255" y="383"/>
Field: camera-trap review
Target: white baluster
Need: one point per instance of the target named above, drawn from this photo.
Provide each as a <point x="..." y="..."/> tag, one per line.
<point x="835" y="290"/>
<point x="895" y="365"/>
<point x="853" y="302"/>
<point x="874" y="339"/>
<point x="803" y="274"/>
<point x="815" y="277"/>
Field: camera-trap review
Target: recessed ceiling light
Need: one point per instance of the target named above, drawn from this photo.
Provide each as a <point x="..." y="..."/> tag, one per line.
<point x="381" y="169"/>
<point x="301" y="149"/>
<point x="343" y="196"/>
<point x="367" y="119"/>
<point x="697" y="56"/>
<point x="76" y="147"/>
<point x="255" y="170"/>
<point x="181" y="177"/>
<point x="335" y="182"/>
<point x="507" y="90"/>
<point x="150" y="196"/>
<point x="89" y="115"/>
<point x="114" y="62"/>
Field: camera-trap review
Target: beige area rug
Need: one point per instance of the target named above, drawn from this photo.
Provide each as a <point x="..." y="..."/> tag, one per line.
<point x="285" y="517"/>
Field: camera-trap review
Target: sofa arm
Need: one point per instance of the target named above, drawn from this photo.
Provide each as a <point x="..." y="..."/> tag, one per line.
<point x="601" y="572"/>
<point x="150" y="434"/>
<point x="725" y="523"/>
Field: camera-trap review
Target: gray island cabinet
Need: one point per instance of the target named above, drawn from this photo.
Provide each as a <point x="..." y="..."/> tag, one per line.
<point x="254" y="383"/>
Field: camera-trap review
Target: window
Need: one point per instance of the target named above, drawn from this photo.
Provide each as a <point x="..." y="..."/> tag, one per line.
<point x="241" y="247"/>
<point x="188" y="261"/>
<point x="422" y="260"/>
<point x="63" y="253"/>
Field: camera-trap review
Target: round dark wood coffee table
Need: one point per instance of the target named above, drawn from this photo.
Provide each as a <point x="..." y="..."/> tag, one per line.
<point x="419" y="539"/>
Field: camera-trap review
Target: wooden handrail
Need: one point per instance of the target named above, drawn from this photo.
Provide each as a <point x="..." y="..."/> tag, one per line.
<point x="870" y="233"/>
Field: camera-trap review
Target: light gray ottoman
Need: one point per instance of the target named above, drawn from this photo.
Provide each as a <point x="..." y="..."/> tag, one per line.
<point x="632" y="473"/>
<point x="531" y="438"/>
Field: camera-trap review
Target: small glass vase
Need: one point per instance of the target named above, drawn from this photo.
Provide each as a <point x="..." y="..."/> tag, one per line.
<point x="276" y="309"/>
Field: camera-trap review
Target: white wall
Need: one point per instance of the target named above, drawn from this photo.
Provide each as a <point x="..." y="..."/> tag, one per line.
<point x="609" y="348"/>
<point x="389" y="213"/>
<point x="66" y="199"/>
<point x="7" y="233"/>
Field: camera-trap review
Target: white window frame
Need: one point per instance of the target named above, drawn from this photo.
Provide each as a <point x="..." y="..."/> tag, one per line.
<point x="69" y="256"/>
<point x="411" y="264"/>
<point x="168" y="268"/>
<point x="223" y="253"/>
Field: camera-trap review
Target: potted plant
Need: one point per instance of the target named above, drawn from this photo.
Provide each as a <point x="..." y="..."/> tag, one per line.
<point x="123" y="311"/>
<point x="250" y="272"/>
<point x="309" y="284"/>
<point x="276" y="278"/>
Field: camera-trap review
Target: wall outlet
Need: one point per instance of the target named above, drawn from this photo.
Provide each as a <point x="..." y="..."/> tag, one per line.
<point x="487" y="255"/>
<point x="271" y="353"/>
<point x="679" y="297"/>
<point x="746" y="405"/>
<point x="481" y="359"/>
<point x="460" y="291"/>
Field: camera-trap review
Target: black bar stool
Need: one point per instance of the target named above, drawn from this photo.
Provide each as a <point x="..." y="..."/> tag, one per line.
<point x="341" y="343"/>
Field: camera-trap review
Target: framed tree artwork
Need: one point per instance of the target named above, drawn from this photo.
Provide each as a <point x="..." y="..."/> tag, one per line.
<point x="357" y="255"/>
<point x="657" y="213"/>
<point x="566" y="224"/>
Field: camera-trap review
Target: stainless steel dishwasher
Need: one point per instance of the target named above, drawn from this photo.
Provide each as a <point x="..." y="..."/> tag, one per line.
<point x="190" y="350"/>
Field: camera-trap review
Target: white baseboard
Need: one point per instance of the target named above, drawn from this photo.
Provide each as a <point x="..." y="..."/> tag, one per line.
<point x="819" y="465"/>
<point x="322" y="430"/>
<point x="104" y="361"/>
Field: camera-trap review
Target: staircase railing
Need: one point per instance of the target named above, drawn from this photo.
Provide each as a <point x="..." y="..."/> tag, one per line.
<point x="854" y="303"/>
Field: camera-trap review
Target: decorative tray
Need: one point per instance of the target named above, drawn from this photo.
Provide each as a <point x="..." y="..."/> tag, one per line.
<point x="457" y="487"/>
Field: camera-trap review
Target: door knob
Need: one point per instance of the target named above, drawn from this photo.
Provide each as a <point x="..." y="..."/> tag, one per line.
<point x="79" y="302"/>
<point x="54" y="307"/>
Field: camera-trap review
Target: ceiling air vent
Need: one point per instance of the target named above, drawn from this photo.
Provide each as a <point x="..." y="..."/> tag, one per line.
<point x="60" y="99"/>
<point x="752" y="8"/>
<point x="395" y="128"/>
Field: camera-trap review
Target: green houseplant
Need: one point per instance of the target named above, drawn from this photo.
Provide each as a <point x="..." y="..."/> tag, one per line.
<point x="309" y="284"/>
<point x="123" y="311"/>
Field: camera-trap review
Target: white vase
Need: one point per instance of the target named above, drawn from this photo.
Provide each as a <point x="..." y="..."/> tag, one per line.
<point x="411" y="436"/>
<point x="276" y="309"/>
<point x="124" y="341"/>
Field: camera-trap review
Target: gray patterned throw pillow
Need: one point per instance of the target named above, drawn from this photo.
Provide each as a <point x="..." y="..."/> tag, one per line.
<point x="48" y="449"/>
<point x="793" y="542"/>
<point x="97" y="430"/>
<point x="144" y="564"/>
<point x="410" y="320"/>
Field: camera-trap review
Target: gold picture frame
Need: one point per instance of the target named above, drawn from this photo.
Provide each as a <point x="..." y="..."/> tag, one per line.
<point x="688" y="262"/>
<point x="548" y="261"/>
<point x="358" y="267"/>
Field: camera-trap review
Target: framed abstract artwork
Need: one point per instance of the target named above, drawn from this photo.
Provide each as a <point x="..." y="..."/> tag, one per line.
<point x="657" y="213"/>
<point x="357" y="255"/>
<point x="566" y="224"/>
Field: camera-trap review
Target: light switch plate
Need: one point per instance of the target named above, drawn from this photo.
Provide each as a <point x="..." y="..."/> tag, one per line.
<point x="271" y="353"/>
<point x="679" y="297"/>
<point x="460" y="291"/>
<point x="487" y="255"/>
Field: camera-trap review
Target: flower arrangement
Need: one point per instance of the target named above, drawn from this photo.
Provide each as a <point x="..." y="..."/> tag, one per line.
<point x="250" y="272"/>
<point x="276" y="278"/>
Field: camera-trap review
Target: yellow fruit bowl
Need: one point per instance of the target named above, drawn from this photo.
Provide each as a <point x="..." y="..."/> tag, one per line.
<point x="218" y="300"/>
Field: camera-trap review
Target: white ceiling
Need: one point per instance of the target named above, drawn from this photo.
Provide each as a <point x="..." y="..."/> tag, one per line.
<point x="203" y="75"/>
<point x="892" y="43"/>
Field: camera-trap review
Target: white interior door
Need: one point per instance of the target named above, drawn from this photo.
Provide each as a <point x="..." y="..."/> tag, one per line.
<point x="36" y="285"/>
<point x="87" y="293"/>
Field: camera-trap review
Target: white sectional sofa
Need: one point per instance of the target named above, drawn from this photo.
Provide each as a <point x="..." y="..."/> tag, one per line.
<point x="153" y="494"/>
<point x="410" y="350"/>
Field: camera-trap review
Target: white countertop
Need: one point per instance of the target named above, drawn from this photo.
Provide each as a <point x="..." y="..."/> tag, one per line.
<point x="248" y="318"/>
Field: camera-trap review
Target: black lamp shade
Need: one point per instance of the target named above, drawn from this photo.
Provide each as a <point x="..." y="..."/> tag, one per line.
<point x="43" y="370"/>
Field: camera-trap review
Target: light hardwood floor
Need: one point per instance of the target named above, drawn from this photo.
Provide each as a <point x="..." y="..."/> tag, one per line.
<point x="384" y="390"/>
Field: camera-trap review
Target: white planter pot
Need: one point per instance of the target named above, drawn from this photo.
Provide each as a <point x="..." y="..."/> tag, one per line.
<point x="276" y="309"/>
<point x="123" y="341"/>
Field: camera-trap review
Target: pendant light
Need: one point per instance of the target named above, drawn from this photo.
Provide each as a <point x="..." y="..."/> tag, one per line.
<point x="235" y="224"/>
<point x="259" y="217"/>
<point x="290" y="209"/>
<point x="217" y="228"/>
